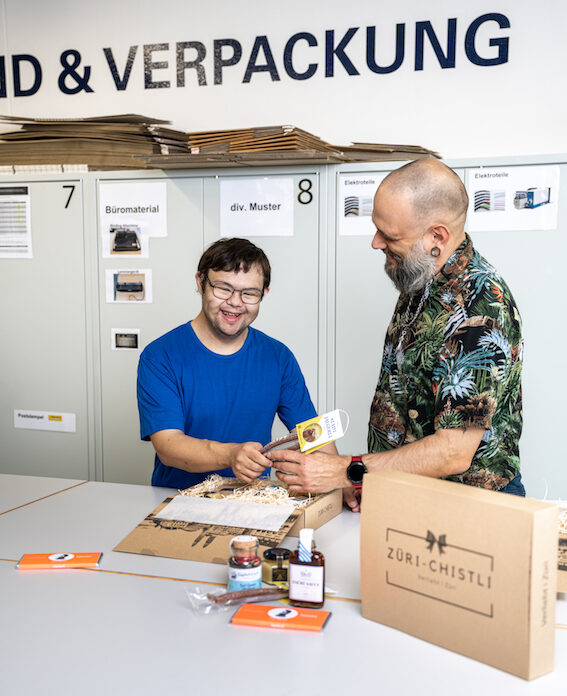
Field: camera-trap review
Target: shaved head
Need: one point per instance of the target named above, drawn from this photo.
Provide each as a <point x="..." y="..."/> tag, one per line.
<point x="419" y="213"/>
<point x="436" y="193"/>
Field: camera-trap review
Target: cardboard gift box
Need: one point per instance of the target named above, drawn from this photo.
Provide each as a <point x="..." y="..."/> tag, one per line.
<point x="562" y="564"/>
<point x="319" y="512"/>
<point x="195" y="541"/>
<point x="468" y="569"/>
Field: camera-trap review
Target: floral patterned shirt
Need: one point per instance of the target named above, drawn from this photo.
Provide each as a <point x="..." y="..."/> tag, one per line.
<point x="453" y="359"/>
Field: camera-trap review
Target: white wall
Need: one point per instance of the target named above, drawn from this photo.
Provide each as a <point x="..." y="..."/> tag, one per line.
<point x="518" y="107"/>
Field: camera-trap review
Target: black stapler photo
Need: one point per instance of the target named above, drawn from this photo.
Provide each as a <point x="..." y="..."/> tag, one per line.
<point x="126" y="241"/>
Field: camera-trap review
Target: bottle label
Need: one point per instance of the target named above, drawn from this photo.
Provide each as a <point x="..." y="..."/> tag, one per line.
<point x="306" y="583"/>
<point x="279" y="574"/>
<point x="244" y="578"/>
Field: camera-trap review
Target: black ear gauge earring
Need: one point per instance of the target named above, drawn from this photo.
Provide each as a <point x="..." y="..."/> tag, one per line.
<point x="436" y="251"/>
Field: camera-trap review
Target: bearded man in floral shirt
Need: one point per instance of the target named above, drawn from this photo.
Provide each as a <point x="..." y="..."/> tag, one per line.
<point x="448" y="402"/>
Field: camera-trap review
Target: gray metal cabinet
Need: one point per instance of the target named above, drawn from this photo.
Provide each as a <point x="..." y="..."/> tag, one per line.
<point x="330" y="302"/>
<point x="364" y="299"/>
<point x="290" y="312"/>
<point x="43" y="344"/>
<point x="531" y="262"/>
<point x="173" y="261"/>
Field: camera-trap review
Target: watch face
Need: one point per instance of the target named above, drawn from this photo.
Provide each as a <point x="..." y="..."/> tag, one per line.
<point x="355" y="472"/>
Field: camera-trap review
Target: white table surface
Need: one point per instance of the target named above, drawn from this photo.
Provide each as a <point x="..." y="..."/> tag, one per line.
<point x="128" y="628"/>
<point x="20" y="490"/>
<point x="96" y="516"/>
<point x="135" y="635"/>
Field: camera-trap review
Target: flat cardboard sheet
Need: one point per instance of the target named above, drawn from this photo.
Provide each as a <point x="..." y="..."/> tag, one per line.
<point x="472" y="570"/>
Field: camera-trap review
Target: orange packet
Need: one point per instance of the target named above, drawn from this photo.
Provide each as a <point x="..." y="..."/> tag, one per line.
<point x="281" y="617"/>
<point x="47" y="561"/>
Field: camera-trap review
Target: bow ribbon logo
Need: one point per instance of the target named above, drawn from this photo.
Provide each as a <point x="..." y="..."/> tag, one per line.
<point x="432" y="540"/>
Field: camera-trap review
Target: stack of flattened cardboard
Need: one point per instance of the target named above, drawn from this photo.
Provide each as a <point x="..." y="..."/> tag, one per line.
<point x="272" y="145"/>
<point x="131" y="141"/>
<point x="104" y="142"/>
<point x="264" y="139"/>
<point x="372" y="152"/>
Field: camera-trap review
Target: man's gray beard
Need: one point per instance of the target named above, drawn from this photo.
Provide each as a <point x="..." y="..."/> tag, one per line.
<point x="412" y="273"/>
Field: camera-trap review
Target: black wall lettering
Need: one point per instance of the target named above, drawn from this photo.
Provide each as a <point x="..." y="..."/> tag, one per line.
<point x="261" y="42"/>
<point x="150" y="66"/>
<point x="445" y="60"/>
<point x="120" y="82"/>
<point x="371" y="50"/>
<point x="339" y="52"/>
<point x="221" y="62"/>
<point x="3" y="91"/>
<point x="501" y="43"/>
<point x="17" y="61"/>
<point x="288" y="50"/>
<point x="183" y="65"/>
<point x="485" y="42"/>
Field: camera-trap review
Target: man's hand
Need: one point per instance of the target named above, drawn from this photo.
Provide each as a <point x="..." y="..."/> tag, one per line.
<point x="247" y="461"/>
<point x="310" y="473"/>
<point x="174" y="448"/>
<point x="351" y="498"/>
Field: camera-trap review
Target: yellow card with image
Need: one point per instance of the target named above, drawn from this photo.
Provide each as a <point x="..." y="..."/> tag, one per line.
<point x="320" y="430"/>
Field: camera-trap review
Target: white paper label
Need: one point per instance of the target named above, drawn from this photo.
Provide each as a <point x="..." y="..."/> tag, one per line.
<point x="15" y="223"/>
<point x="513" y="198"/>
<point x="232" y="513"/>
<point x="355" y="202"/>
<point x="256" y="207"/>
<point x="306" y="583"/>
<point x="244" y="578"/>
<point x="44" y="420"/>
<point x="143" y="203"/>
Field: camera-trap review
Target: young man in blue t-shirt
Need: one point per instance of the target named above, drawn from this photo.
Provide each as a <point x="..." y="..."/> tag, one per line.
<point x="208" y="391"/>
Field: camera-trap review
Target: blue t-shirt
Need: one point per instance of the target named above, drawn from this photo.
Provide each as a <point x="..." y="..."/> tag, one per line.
<point x="182" y="385"/>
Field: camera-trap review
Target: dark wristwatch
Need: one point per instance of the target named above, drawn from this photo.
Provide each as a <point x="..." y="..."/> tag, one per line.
<point x="355" y="471"/>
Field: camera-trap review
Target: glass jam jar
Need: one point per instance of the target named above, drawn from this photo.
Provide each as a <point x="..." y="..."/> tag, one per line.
<point x="244" y="565"/>
<point x="275" y="565"/>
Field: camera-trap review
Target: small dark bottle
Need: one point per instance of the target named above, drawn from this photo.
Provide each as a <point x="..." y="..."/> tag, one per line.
<point x="306" y="573"/>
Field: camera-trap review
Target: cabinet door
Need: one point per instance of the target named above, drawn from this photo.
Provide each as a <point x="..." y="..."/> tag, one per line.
<point x="291" y="311"/>
<point x="365" y="298"/>
<point x="532" y="262"/>
<point x="43" y="336"/>
<point x="172" y="261"/>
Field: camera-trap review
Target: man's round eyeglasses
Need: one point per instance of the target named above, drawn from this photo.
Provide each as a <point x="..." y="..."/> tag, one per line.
<point x="224" y="291"/>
